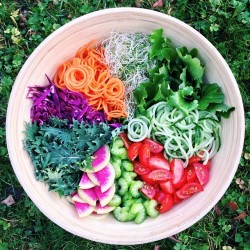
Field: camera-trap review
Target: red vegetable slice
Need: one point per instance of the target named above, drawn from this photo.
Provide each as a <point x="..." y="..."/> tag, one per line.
<point x="194" y="159"/>
<point x="144" y="154"/>
<point x="133" y="150"/>
<point x="202" y="173"/>
<point x="159" y="175"/>
<point x="155" y="147"/>
<point x="166" y="204"/>
<point x="191" y="174"/>
<point x="140" y="169"/>
<point x="177" y="168"/>
<point x="125" y="140"/>
<point x="167" y="187"/>
<point x="158" y="162"/>
<point x="182" y="181"/>
<point x="181" y="196"/>
<point x="191" y="188"/>
<point x="148" y="190"/>
<point x="176" y="199"/>
<point x="159" y="196"/>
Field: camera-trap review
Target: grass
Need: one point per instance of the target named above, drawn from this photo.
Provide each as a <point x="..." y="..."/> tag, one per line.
<point x="24" y="24"/>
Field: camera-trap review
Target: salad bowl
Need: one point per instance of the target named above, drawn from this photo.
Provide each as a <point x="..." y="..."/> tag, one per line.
<point x="60" y="46"/>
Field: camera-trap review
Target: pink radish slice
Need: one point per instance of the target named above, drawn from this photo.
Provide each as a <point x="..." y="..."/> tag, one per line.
<point x="105" y="197"/>
<point x="101" y="159"/>
<point x="103" y="178"/>
<point x="88" y="196"/>
<point x="94" y="178"/>
<point x="85" y="182"/>
<point x="83" y="209"/>
<point x="76" y="198"/>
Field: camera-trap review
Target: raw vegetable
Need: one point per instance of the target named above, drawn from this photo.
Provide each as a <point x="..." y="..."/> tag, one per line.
<point x="51" y="101"/>
<point x="127" y="57"/>
<point x="58" y="152"/>
<point x="88" y="74"/>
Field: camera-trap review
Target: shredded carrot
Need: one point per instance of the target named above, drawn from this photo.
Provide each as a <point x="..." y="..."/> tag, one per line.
<point x="88" y="74"/>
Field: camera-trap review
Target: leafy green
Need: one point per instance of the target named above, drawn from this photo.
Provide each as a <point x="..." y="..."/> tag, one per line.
<point x="58" y="152"/>
<point x="178" y="79"/>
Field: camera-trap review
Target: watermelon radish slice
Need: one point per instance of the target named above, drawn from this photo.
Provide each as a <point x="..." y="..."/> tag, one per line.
<point x="85" y="182"/>
<point x="94" y="178"/>
<point x="83" y="209"/>
<point x="101" y="159"/>
<point x="88" y="195"/>
<point x="104" y="178"/>
<point x="76" y="198"/>
<point x="105" y="197"/>
<point x="103" y="210"/>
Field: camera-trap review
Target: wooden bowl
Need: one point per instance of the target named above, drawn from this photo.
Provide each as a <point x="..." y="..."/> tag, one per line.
<point x="61" y="45"/>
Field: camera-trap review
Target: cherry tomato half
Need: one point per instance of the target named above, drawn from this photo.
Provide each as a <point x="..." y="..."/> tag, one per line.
<point x="140" y="169"/>
<point x="144" y="154"/>
<point x="148" y="190"/>
<point x="167" y="187"/>
<point x="125" y="140"/>
<point x="181" y="196"/>
<point x="159" y="175"/>
<point x="159" y="196"/>
<point x="177" y="168"/>
<point x="182" y="181"/>
<point x="133" y="150"/>
<point x="155" y="147"/>
<point x="166" y="204"/>
<point x="194" y="159"/>
<point x="202" y="173"/>
<point x="191" y="174"/>
<point x="158" y="162"/>
<point x="191" y="188"/>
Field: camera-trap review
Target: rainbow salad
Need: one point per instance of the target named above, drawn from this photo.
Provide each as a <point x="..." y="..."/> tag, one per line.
<point x="127" y="126"/>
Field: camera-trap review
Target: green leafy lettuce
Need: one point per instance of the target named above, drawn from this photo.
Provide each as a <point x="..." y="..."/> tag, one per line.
<point x="178" y="78"/>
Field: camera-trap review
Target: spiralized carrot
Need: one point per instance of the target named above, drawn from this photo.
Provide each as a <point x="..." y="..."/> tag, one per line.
<point x="88" y="74"/>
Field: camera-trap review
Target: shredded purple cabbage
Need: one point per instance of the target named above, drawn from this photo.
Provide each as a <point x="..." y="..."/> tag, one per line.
<point x="50" y="101"/>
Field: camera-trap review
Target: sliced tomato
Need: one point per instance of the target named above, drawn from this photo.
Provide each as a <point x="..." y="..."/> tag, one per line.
<point x="176" y="198"/>
<point x="158" y="162"/>
<point x="167" y="187"/>
<point x="191" y="188"/>
<point x="147" y="180"/>
<point x="125" y="140"/>
<point x="144" y="154"/>
<point x="194" y="159"/>
<point x="177" y="168"/>
<point x="191" y="174"/>
<point x="166" y="204"/>
<point x="159" y="175"/>
<point x="182" y="181"/>
<point x="155" y="147"/>
<point x="148" y="190"/>
<point x="140" y="169"/>
<point x="181" y="196"/>
<point x="202" y="173"/>
<point x="159" y="196"/>
<point x="133" y="150"/>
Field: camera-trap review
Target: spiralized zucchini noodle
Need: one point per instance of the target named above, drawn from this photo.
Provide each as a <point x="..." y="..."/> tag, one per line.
<point x="127" y="57"/>
<point x="182" y="136"/>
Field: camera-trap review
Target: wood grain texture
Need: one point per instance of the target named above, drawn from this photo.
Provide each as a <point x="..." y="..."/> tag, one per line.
<point x="61" y="45"/>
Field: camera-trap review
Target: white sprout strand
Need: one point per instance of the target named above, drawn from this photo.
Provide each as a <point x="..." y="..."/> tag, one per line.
<point x="127" y="57"/>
